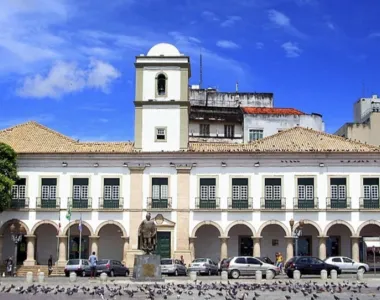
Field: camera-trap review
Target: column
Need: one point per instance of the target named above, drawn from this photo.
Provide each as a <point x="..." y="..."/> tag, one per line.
<point x="31" y="241"/>
<point x="1" y="250"/>
<point x="223" y="247"/>
<point x="125" y="248"/>
<point x="62" y="258"/>
<point x="94" y="242"/>
<point x="355" y="248"/>
<point x="289" y="247"/>
<point x="322" y="247"/>
<point x="192" y="247"/>
<point x="257" y="245"/>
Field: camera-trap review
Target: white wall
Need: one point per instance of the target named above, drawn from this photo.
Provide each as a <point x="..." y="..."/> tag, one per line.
<point x="173" y="84"/>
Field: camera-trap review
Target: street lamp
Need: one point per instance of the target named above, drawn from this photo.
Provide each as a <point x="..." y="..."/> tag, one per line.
<point x="296" y="232"/>
<point x="17" y="232"/>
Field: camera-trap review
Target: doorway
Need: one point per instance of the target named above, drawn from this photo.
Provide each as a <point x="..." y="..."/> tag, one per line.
<point x="163" y="244"/>
<point x="74" y="247"/>
<point x="245" y="246"/>
<point x="304" y="246"/>
<point x="21" y="251"/>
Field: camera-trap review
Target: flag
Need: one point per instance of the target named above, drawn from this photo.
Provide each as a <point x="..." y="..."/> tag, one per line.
<point x="80" y="223"/>
<point x="68" y="215"/>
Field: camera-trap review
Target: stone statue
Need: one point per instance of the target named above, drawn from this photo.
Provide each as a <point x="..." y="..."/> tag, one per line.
<point x="148" y="235"/>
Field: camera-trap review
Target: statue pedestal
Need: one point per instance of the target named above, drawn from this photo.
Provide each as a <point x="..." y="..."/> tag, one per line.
<point x="147" y="268"/>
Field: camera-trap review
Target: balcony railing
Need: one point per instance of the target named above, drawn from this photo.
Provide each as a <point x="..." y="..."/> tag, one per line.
<point x="211" y="203"/>
<point x="109" y="203"/>
<point x="245" y="203"/>
<point x="19" y="203"/>
<point x="80" y="204"/>
<point x="302" y="203"/>
<point x="273" y="203"/>
<point x="154" y="203"/>
<point x="48" y="203"/>
<point x="334" y="203"/>
<point x="369" y="203"/>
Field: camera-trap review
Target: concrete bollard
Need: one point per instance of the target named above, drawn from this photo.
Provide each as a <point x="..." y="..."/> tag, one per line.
<point x="296" y="275"/>
<point x="41" y="277"/>
<point x="103" y="277"/>
<point x="360" y="275"/>
<point x="323" y="274"/>
<point x="193" y="275"/>
<point x="259" y="275"/>
<point x="224" y="276"/>
<point x="334" y="274"/>
<point x="269" y="275"/>
<point x="73" y="277"/>
<point x="29" y="277"/>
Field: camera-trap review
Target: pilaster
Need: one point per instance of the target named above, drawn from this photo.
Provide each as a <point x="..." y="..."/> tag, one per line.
<point x="94" y="242"/>
<point x="355" y="248"/>
<point x="62" y="259"/>
<point x="289" y="247"/>
<point x="322" y="247"/>
<point x="257" y="245"/>
<point x="31" y="241"/>
<point x="223" y="247"/>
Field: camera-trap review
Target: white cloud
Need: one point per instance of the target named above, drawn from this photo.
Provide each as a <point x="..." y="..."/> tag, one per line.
<point x="259" y="45"/>
<point x="227" y="44"/>
<point x="230" y="21"/>
<point x="280" y="20"/>
<point x="330" y="25"/>
<point x="291" y="49"/>
<point x="374" y="35"/>
<point x="65" y="78"/>
<point x="209" y="15"/>
<point x="306" y="2"/>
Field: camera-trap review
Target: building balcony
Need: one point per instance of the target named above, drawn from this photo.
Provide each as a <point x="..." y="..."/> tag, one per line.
<point x="19" y="203"/>
<point x="159" y="204"/>
<point x="48" y="203"/>
<point x="334" y="203"/>
<point x="207" y="204"/>
<point x="305" y="204"/>
<point x="239" y="204"/>
<point x="80" y="204"/>
<point x="273" y="203"/>
<point x="111" y="204"/>
<point x="369" y="203"/>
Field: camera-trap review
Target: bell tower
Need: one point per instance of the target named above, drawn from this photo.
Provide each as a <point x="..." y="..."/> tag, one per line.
<point x="162" y="100"/>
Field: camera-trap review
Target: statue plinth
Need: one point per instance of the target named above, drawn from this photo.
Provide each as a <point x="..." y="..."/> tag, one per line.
<point x="147" y="268"/>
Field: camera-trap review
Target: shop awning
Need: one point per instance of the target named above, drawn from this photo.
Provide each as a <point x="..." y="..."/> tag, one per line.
<point x="371" y="244"/>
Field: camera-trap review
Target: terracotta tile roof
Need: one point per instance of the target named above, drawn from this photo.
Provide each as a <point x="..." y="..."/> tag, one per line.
<point x="32" y="137"/>
<point x="271" y="111"/>
<point x="296" y="139"/>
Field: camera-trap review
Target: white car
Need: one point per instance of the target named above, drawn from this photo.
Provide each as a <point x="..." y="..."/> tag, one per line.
<point x="347" y="265"/>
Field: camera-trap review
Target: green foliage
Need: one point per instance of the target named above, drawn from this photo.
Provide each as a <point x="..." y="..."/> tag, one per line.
<point x="8" y="174"/>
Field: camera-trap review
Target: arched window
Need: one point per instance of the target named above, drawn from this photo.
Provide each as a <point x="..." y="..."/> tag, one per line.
<point x="161" y="85"/>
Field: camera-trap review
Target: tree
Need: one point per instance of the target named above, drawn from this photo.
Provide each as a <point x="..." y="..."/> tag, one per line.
<point x="8" y="174"/>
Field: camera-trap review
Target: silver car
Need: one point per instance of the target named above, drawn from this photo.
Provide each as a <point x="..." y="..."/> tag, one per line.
<point x="347" y="265"/>
<point x="80" y="266"/>
<point x="204" y="266"/>
<point x="171" y="266"/>
<point x="247" y="266"/>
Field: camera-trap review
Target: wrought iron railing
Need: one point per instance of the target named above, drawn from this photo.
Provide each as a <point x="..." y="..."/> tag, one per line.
<point x="80" y="204"/>
<point x="154" y="203"/>
<point x="19" y="203"/>
<point x="48" y="203"/>
<point x="273" y="203"/>
<point x="208" y="203"/>
<point x="241" y="203"/>
<point x="305" y="203"/>
<point x="338" y="203"/>
<point x="109" y="203"/>
<point x="369" y="203"/>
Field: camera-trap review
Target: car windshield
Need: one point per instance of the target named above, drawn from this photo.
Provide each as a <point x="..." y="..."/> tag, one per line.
<point x="102" y="262"/>
<point x="198" y="260"/>
<point x="166" y="261"/>
<point x="73" y="262"/>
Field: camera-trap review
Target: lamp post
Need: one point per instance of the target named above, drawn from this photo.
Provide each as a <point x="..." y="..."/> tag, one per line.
<point x="296" y="232"/>
<point x="17" y="232"/>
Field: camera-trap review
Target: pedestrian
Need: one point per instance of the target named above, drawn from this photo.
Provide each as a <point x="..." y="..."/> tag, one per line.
<point x="93" y="260"/>
<point x="50" y="265"/>
<point x="182" y="260"/>
<point x="9" y="265"/>
<point x="280" y="262"/>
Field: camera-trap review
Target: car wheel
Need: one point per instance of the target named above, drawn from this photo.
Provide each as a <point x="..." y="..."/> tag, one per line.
<point x="209" y="272"/>
<point x="274" y="273"/>
<point x="235" y="274"/>
<point x="112" y="273"/>
<point x="362" y="269"/>
<point x="126" y="273"/>
<point x="176" y="272"/>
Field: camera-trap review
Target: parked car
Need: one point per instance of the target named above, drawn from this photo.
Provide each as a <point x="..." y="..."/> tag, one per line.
<point x="80" y="266"/>
<point x="172" y="266"/>
<point x="203" y="266"/>
<point x="247" y="266"/>
<point x="308" y="265"/>
<point x="347" y="265"/>
<point x="111" y="267"/>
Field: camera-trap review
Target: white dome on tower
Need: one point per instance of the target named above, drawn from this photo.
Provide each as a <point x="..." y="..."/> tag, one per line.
<point x="163" y="49"/>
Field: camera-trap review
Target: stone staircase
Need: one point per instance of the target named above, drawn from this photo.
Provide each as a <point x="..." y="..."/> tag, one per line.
<point x="22" y="270"/>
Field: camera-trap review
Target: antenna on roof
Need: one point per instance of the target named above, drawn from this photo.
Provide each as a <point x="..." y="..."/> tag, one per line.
<point x="200" y="69"/>
<point x="363" y="89"/>
<point x="237" y="86"/>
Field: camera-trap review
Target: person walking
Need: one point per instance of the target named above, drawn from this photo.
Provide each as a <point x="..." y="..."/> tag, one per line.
<point x="9" y="265"/>
<point x="182" y="260"/>
<point x="50" y="265"/>
<point x="280" y="263"/>
<point x="93" y="260"/>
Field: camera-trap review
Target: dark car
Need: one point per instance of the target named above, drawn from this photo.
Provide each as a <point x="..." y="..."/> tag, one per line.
<point x="308" y="265"/>
<point x="111" y="267"/>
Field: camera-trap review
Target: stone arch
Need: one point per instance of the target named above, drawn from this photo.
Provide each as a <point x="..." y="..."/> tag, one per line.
<point x="64" y="232"/>
<point x="7" y="223"/>
<point x="240" y="223"/>
<point x="273" y="222"/>
<point x="369" y="222"/>
<point x="118" y="224"/>
<point x="38" y="224"/>
<point x="341" y="222"/>
<point x="314" y="224"/>
<point x="199" y="225"/>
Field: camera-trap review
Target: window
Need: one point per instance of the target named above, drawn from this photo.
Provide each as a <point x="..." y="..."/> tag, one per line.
<point x="240" y="260"/>
<point x="49" y="188"/>
<point x="253" y="261"/>
<point x="204" y="129"/>
<point x="111" y="189"/>
<point x="338" y="188"/>
<point x="229" y="131"/>
<point x="160" y="134"/>
<point x="161" y="85"/>
<point x="239" y="188"/>
<point x="336" y="259"/>
<point x="371" y="188"/>
<point x="306" y="188"/>
<point x="255" y="134"/>
<point x="160" y="188"/>
<point x="272" y="188"/>
<point x="19" y="189"/>
<point x="347" y="260"/>
<point x="208" y="188"/>
<point x="80" y="188"/>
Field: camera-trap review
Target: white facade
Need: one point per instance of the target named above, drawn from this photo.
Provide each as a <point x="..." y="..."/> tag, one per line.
<point x="364" y="107"/>
<point x="216" y="132"/>
<point x="173" y="75"/>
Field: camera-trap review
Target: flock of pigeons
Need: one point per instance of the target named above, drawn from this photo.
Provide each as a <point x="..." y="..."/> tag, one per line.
<point x="287" y="290"/>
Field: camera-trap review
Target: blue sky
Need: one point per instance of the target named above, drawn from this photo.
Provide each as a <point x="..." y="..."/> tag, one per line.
<point x="68" y="64"/>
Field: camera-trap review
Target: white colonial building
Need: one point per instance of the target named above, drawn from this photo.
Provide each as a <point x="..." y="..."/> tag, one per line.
<point x="208" y="199"/>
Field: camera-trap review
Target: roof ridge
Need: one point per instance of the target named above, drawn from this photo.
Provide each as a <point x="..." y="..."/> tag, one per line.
<point x="53" y="131"/>
<point x="18" y="125"/>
